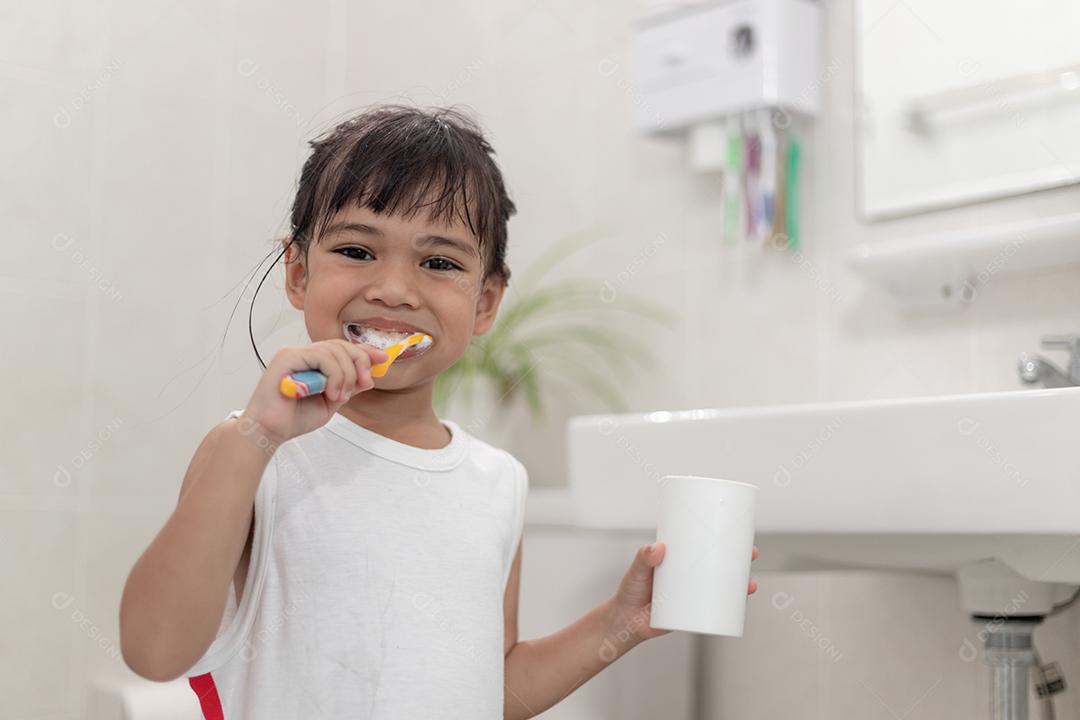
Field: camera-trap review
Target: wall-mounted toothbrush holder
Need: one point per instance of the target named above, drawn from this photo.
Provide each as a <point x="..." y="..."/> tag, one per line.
<point x="709" y="62"/>
<point x="731" y="78"/>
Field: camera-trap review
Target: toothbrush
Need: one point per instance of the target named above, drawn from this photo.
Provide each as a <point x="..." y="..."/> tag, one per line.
<point x="792" y="180"/>
<point x="780" y="239"/>
<point x="732" y="170"/>
<point x="395" y="350"/>
<point x="312" y="382"/>
<point x="768" y="175"/>
<point x="752" y="181"/>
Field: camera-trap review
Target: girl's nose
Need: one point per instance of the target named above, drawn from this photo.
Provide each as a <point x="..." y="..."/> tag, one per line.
<point x="392" y="287"/>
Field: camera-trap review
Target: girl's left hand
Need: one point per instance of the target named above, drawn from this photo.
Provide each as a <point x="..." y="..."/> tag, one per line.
<point x="630" y="606"/>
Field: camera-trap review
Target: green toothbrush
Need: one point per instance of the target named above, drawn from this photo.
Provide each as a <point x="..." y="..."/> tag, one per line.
<point x="791" y="186"/>
<point x="731" y="182"/>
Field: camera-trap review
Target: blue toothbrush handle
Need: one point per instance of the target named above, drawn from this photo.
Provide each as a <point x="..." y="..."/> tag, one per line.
<point x="303" y="384"/>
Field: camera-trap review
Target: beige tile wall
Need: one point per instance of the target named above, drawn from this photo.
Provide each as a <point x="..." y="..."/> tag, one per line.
<point x="150" y="151"/>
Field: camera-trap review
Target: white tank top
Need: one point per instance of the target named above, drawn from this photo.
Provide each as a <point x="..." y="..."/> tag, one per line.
<point x="375" y="584"/>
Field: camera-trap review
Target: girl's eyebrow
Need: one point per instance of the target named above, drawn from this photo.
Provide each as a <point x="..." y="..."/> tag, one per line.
<point x="461" y="245"/>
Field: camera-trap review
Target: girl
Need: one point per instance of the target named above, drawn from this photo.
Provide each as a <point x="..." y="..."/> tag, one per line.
<point x="351" y="554"/>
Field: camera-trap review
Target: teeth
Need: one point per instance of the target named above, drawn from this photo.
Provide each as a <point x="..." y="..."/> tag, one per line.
<point x="381" y="339"/>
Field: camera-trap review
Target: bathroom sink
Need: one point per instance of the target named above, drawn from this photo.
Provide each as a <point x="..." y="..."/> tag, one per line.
<point x="940" y="484"/>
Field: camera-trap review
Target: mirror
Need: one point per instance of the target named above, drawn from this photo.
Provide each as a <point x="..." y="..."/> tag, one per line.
<point x="963" y="101"/>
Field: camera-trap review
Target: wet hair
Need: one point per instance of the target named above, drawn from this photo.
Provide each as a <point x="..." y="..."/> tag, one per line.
<point x="399" y="159"/>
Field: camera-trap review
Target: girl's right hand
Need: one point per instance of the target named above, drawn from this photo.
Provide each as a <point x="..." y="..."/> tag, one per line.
<point x="347" y="367"/>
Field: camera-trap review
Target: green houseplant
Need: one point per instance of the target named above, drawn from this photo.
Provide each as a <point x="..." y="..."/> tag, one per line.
<point x="558" y="335"/>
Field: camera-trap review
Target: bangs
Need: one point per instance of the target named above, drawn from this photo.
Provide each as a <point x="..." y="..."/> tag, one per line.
<point x="444" y="195"/>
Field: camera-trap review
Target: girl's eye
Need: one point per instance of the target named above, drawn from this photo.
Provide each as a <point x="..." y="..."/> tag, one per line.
<point x="445" y="267"/>
<point x="443" y="264"/>
<point x="346" y="250"/>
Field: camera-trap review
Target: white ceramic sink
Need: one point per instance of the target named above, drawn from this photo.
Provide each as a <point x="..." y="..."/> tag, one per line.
<point x="925" y="483"/>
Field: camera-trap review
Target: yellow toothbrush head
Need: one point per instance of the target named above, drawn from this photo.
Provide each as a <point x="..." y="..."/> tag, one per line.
<point x="393" y="351"/>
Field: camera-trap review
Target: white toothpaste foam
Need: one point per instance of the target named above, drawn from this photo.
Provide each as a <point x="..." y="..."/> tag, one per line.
<point x="381" y="339"/>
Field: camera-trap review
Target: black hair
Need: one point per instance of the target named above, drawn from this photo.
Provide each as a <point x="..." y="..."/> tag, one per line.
<point x="400" y="159"/>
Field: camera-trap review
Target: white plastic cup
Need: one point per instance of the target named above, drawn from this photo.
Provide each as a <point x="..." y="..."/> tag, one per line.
<point x="707" y="526"/>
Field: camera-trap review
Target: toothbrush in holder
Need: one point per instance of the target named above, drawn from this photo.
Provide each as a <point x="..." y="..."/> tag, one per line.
<point x="312" y="382"/>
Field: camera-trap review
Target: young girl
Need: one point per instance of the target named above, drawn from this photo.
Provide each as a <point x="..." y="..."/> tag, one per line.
<point x="351" y="554"/>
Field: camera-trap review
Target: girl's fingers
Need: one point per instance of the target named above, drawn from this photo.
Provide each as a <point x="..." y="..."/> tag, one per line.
<point x="318" y="356"/>
<point x="331" y="365"/>
<point x="363" y="357"/>
<point x="753" y="585"/>
<point x="347" y="371"/>
<point x="363" y="369"/>
<point x="362" y="361"/>
<point x="374" y="354"/>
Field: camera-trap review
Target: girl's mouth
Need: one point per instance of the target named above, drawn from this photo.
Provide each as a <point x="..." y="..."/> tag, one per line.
<point x="382" y="339"/>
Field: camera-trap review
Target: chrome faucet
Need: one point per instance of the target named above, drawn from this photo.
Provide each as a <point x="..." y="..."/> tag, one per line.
<point x="1035" y="369"/>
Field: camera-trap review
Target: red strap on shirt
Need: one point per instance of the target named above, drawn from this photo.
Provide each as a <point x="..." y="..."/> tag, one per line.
<point x="204" y="687"/>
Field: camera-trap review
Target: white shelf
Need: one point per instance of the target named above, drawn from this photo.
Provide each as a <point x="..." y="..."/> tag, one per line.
<point x="952" y="268"/>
